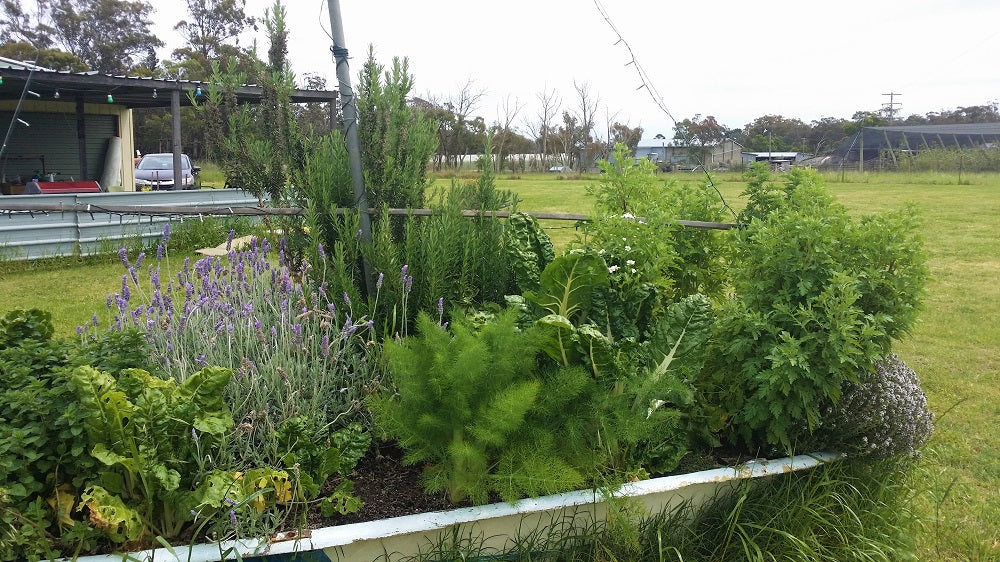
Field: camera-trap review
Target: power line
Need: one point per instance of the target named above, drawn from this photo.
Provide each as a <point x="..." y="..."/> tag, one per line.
<point x="647" y="84"/>
<point x="890" y="107"/>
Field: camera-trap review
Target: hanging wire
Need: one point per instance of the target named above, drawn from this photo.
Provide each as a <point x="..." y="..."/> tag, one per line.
<point x="647" y="84"/>
<point x="17" y="110"/>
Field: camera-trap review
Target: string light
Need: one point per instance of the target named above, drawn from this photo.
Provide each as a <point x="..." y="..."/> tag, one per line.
<point x="197" y="90"/>
<point x="1" y="79"/>
<point x="154" y="93"/>
<point x="56" y="95"/>
<point x="111" y="98"/>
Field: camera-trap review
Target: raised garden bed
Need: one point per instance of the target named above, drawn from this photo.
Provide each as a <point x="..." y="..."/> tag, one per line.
<point x="497" y="524"/>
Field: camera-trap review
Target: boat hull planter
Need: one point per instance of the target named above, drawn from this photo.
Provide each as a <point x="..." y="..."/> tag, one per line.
<point x="494" y="526"/>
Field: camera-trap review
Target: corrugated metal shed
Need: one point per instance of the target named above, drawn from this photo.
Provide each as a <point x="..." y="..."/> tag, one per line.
<point x="25" y="235"/>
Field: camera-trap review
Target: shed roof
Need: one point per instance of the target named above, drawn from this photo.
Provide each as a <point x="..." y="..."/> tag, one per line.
<point x="129" y="91"/>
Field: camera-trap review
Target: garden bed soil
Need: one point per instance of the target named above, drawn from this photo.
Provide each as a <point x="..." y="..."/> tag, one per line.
<point x="390" y="488"/>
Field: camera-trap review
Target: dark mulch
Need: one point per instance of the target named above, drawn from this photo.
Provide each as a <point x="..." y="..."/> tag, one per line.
<point x="387" y="487"/>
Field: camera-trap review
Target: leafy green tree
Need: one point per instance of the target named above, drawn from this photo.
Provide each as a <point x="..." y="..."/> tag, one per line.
<point x="110" y="36"/>
<point x="53" y="58"/>
<point x="774" y="132"/>
<point x="212" y="23"/>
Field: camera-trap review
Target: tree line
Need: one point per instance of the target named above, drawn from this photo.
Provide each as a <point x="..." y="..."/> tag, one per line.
<point x="566" y="129"/>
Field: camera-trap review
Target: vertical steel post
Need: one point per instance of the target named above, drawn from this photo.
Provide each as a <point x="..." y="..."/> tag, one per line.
<point x="349" y="110"/>
<point x="175" y="119"/>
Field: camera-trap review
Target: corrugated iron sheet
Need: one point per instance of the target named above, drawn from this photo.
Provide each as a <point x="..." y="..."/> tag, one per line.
<point x="25" y="235"/>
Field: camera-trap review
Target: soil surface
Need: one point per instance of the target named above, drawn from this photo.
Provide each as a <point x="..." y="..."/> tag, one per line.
<point x="389" y="488"/>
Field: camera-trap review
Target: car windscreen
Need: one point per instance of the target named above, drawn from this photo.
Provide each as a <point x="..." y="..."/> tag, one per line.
<point x="156" y="162"/>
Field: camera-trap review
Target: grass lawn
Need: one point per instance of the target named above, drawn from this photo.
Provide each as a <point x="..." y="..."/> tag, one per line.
<point x="955" y="348"/>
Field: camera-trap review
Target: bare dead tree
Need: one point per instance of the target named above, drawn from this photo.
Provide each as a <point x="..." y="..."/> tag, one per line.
<point x="609" y="120"/>
<point x="462" y="105"/>
<point x="542" y="127"/>
<point x="507" y="112"/>
<point x="586" y="111"/>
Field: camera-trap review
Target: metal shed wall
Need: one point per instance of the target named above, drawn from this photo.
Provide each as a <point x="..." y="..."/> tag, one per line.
<point x="54" y="136"/>
<point x="25" y="235"/>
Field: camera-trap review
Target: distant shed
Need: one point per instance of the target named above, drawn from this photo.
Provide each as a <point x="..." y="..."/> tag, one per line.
<point x="873" y="142"/>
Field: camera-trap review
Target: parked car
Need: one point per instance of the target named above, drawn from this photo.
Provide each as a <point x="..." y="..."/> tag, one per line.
<point x="156" y="171"/>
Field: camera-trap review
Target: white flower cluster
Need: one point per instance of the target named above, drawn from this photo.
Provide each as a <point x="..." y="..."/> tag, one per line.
<point x="883" y="415"/>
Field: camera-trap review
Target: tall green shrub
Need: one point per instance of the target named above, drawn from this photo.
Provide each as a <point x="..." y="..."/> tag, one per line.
<point x="818" y="298"/>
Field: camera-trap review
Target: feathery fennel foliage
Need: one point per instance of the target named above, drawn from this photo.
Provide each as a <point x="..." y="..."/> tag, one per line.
<point x="462" y="407"/>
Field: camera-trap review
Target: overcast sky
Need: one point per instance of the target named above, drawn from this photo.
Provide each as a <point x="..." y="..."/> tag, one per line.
<point x="732" y="59"/>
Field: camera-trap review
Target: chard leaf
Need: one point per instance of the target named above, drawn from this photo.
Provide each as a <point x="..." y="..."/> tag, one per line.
<point x="111" y="458"/>
<point x="199" y="398"/>
<point x="677" y="342"/>
<point x="566" y="287"/>
<point x="110" y="514"/>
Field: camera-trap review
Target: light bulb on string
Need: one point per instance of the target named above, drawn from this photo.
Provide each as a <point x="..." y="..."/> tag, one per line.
<point x="154" y="93"/>
<point x="197" y="91"/>
<point x="111" y="99"/>
<point x="56" y="95"/>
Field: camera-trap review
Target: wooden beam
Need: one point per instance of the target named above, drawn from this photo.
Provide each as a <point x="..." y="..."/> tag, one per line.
<point x="81" y="137"/>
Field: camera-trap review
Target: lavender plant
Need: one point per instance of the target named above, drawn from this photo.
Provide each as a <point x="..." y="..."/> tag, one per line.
<point x="295" y="351"/>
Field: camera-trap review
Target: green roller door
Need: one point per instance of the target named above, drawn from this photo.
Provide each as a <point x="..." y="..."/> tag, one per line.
<point x="54" y="136"/>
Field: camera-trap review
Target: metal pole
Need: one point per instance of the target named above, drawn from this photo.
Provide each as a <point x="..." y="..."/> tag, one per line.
<point x="349" y="110"/>
<point x="175" y="115"/>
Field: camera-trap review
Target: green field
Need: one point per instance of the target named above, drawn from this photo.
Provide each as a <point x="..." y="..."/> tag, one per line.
<point x="955" y="347"/>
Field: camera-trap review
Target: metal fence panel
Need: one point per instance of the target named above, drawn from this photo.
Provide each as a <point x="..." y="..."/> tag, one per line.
<point x="30" y="235"/>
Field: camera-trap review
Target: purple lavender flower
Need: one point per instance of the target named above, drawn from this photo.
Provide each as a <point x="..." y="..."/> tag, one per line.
<point x="402" y="274"/>
<point x="319" y="248"/>
<point x="126" y="294"/>
<point x="138" y="260"/>
<point x="229" y="239"/>
<point x="378" y="282"/>
<point x="409" y="283"/>
<point x="232" y="517"/>
<point x="133" y="275"/>
<point x="109" y="300"/>
<point x="155" y="279"/>
<point x="325" y="346"/>
<point x="93" y="320"/>
<point x="332" y="308"/>
<point x="79" y="330"/>
<point x="124" y="257"/>
<point x="440" y="306"/>
<point x="166" y="233"/>
<point x="159" y="252"/>
<point x="347" y="299"/>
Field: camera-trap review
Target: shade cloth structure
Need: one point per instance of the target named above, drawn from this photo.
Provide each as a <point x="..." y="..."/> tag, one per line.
<point x="873" y="142"/>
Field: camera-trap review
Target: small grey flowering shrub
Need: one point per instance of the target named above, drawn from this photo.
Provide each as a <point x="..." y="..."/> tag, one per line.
<point x="882" y="415"/>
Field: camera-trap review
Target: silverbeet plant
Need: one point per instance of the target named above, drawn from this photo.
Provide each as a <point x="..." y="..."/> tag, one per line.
<point x="295" y="351"/>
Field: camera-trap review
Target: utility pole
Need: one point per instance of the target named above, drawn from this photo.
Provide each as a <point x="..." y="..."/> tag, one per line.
<point x="349" y="110"/>
<point x="890" y="108"/>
